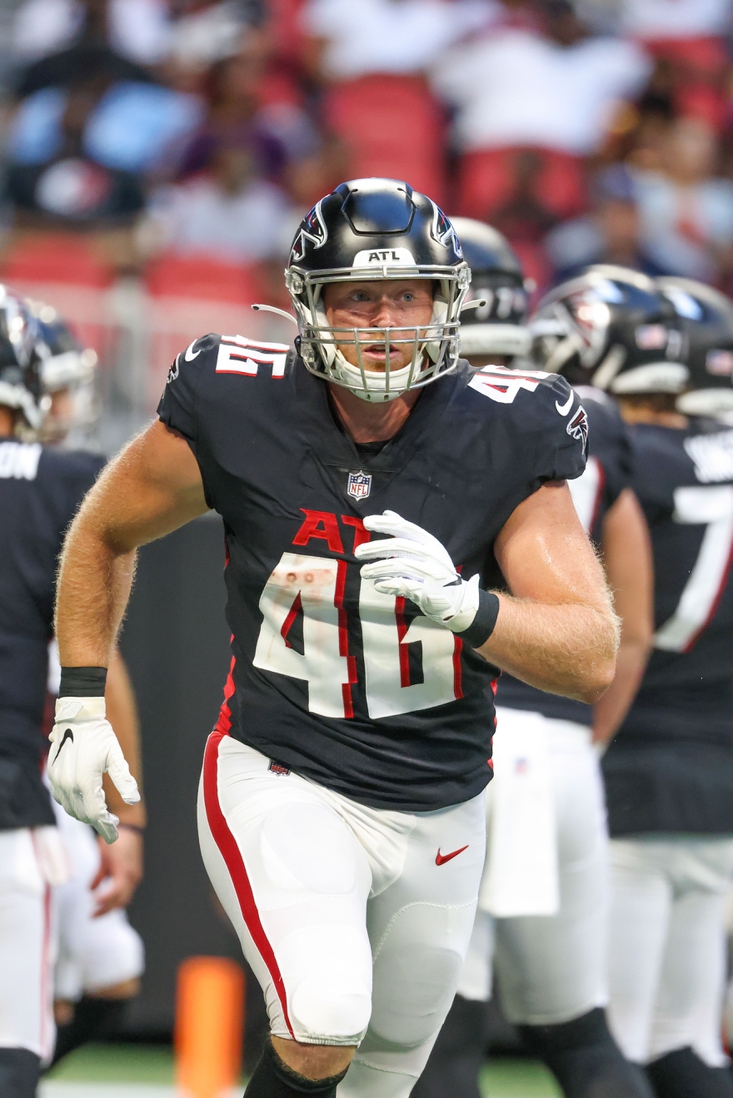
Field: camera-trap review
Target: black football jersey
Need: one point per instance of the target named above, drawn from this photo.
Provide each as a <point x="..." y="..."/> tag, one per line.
<point x="353" y="689"/>
<point x="607" y="474"/>
<point x="40" y="491"/>
<point x="671" y="766"/>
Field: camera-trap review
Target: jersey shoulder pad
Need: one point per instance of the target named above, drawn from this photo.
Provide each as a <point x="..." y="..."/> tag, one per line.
<point x="536" y="397"/>
<point x="193" y="358"/>
<point x="210" y="359"/>
<point x="545" y="411"/>
<point x="231" y="354"/>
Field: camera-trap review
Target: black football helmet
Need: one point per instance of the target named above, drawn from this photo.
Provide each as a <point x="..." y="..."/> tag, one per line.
<point x="20" y="380"/>
<point x="66" y="368"/>
<point x="498" y="327"/>
<point x="706" y="317"/>
<point x="611" y="327"/>
<point x="377" y="229"/>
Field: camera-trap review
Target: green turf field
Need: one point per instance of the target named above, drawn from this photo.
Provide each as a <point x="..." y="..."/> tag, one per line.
<point x="146" y="1071"/>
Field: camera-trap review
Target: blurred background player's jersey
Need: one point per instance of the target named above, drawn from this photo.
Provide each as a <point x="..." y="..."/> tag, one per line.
<point x="607" y="473"/>
<point x="328" y="674"/>
<point x="671" y="766"/>
<point x="40" y="491"/>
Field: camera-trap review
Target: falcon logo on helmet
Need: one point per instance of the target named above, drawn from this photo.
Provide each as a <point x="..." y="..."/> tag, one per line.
<point x="312" y="231"/>
<point x="611" y="328"/>
<point x="367" y="230"/>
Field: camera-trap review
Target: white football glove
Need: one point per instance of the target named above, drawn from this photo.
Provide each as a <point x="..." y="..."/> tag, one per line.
<point x="83" y="747"/>
<point x="414" y="564"/>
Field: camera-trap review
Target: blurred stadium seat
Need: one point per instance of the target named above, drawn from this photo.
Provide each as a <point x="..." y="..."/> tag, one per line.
<point x="393" y="127"/>
<point x="192" y="295"/>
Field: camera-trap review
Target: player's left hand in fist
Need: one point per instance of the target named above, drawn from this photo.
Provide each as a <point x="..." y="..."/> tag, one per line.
<point x="83" y="748"/>
<point x="412" y="563"/>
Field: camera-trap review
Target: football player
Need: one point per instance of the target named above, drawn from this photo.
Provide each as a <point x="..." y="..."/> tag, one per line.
<point x="544" y="899"/>
<point x="669" y="773"/>
<point x="341" y="807"/>
<point x="68" y="376"/>
<point x="40" y="490"/>
<point x="100" y="956"/>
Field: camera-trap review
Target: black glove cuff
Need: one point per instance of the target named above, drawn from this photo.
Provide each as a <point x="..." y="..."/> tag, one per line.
<point x="83" y="682"/>
<point x="483" y="624"/>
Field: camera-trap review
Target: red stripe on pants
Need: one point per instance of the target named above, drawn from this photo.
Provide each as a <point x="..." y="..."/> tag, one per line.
<point x="232" y="856"/>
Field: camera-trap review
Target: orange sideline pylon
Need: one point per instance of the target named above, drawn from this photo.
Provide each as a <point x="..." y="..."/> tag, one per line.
<point x="209" y="1026"/>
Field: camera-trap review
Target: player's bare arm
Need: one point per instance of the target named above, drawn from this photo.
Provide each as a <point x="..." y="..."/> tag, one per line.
<point x="557" y="629"/>
<point x="153" y="487"/>
<point x="628" y="559"/>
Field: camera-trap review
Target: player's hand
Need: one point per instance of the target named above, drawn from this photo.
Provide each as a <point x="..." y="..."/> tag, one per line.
<point x="414" y="564"/>
<point x="83" y="747"/>
<point x="120" y="871"/>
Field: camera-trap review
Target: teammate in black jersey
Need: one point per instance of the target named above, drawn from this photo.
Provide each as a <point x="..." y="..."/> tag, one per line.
<point x="341" y="810"/>
<point x="100" y="956"/>
<point x="40" y="491"/>
<point x="669" y="773"/>
<point x="543" y="903"/>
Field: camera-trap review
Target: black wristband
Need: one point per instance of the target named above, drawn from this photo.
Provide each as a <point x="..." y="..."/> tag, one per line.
<point x="483" y="624"/>
<point x="132" y="827"/>
<point x="83" y="682"/>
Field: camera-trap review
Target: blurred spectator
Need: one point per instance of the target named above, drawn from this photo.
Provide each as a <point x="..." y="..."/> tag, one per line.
<point x="689" y="37"/>
<point x="135" y="29"/>
<point x="609" y="234"/>
<point x="553" y="95"/>
<point x="289" y="147"/>
<point x="229" y="213"/>
<point x="206" y="31"/>
<point x="372" y="56"/>
<point x="78" y="153"/>
<point x="685" y="210"/>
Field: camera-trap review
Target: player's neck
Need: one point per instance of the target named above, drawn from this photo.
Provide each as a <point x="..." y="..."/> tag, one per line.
<point x="367" y="422"/>
<point x="7" y="422"/>
<point x="635" y="410"/>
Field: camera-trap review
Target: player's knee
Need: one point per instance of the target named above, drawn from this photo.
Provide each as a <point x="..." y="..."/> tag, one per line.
<point x="313" y="1062"/>
<point x="328" y="1007"/>
<point x="407" y="1011"/>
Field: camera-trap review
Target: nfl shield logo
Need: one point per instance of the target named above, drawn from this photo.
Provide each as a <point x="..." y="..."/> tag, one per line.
<point x="360" y="485"/>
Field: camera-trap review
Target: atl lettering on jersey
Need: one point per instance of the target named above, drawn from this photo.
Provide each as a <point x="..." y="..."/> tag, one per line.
<point x="333" y="680"/>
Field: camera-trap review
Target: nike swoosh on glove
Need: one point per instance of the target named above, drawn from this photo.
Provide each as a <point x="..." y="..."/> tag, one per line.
<point x="412" y="563"/>
<point x="83" y="748"/>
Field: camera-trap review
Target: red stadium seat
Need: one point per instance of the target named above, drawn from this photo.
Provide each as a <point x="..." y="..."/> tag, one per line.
<point x="192" y="295"/>
<point x="700" y="70"/>
<point x="488" y="178"/>
<point x="70" y="272"/>
<point x="204" y="279"/>
<point x="392" y="126"/>
<point x="55" y="257"/>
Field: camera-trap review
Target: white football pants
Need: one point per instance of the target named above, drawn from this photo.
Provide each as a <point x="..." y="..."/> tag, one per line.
<point x="355" y="920"/>
<point x="93" y="953"/>
<point x="668" y="945"/>
<point x="552" y="968"/>
<point x="27" y="942"/>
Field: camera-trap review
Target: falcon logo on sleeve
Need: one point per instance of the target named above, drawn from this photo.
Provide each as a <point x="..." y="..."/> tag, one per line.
<point x="577" y="428"/>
